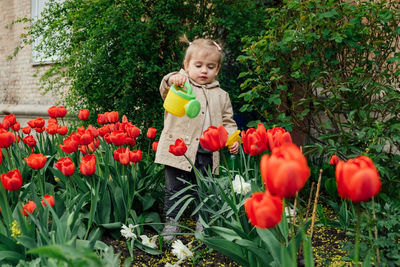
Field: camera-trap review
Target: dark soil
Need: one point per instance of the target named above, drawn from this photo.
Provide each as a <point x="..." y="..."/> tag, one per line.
<point x="327" y="245"/>
<point x="203" y="256"/>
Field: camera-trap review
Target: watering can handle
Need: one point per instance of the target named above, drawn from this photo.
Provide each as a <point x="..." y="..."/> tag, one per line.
<point x="188" y="87"/>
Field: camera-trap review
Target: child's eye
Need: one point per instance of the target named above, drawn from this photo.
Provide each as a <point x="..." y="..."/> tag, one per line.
<point x="198" y="65"/>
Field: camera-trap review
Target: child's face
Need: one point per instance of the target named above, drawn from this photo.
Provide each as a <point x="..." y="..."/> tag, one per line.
<point x="203" y="67"/>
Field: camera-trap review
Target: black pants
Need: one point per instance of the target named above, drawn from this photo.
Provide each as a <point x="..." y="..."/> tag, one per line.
<point x="173" y="185"/>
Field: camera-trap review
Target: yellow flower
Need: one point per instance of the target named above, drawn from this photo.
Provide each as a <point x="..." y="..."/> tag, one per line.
<point x="235" y="137"/>
<point x="56" y="179"/>
<point x="15" y="229"/>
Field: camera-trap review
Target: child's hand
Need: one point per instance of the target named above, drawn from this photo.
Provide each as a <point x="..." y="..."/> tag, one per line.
<point x="177" y="79"/>
<point x="234" y="149"/>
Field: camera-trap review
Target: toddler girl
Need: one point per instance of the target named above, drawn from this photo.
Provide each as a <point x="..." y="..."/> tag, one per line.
<point x="201" y="65"/>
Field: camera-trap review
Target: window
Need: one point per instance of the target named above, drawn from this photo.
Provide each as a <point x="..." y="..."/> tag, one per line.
<point x="39" y="58"/>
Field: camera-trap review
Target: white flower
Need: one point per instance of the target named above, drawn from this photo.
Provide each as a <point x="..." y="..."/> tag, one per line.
<point x="240" y="186"/>
<point x="150" y="242"/>
<point x="127" y="232"/>
<point x="173" y="265"/>
<point x="180" y="250"/>
<point x="290" y="212"/>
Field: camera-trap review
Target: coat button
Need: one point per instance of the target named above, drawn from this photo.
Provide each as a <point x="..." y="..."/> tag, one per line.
<point x="197" y="139"/>
<point x="170" y="136"/>
<point x="202" y="112"/>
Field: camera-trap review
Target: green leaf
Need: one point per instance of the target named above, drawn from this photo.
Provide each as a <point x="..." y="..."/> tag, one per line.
<point x="54" y="251"/>
<point x="229" y="249"/>
<point x="271" y="241"/>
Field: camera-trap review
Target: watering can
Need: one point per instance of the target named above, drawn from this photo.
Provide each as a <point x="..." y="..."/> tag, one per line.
<point x="181" y="101"/>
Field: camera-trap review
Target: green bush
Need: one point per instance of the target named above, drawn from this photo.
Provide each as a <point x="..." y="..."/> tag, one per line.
<point x="113" y="53"/>
<point x="330" y="69"/>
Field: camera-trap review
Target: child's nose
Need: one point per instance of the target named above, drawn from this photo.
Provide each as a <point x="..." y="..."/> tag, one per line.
<point x="204" y="69"/>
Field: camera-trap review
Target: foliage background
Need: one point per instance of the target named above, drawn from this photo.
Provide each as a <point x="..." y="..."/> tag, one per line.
<point x="330" y="70"/>
<point x="113" y="53"/>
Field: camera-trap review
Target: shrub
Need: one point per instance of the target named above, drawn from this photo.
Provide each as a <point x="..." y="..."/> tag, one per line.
<point x="113" y="54"/>
<point x="330" y="70"/>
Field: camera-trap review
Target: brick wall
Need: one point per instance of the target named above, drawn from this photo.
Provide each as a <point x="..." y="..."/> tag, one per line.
<point x="19" y="90"/>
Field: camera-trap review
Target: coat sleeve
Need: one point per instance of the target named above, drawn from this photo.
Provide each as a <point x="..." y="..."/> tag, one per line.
<point x="164" y="87"/>
<point x="227" y="116"/>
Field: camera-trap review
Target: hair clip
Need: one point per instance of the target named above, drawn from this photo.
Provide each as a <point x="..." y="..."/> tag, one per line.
<point x="190" y="43"/>
<point x="218" y="47"/>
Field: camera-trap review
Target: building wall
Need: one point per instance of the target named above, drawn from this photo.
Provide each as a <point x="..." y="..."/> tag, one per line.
<point x="19" y="89"/>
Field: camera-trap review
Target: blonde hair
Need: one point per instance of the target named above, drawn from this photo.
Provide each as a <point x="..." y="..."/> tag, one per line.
<point x="201" y="44"/>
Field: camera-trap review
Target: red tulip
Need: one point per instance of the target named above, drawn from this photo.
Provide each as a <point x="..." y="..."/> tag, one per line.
<point x="104" y="130"/>
<point x="52" y="128"/>
<point x="124" y="119"/>
<point x="151" y="133"/>
<point x="102" y="118"/>
<point x="118" y="138"/>
<point x="117" y="152"/>
<point x="278" y="136"/>
<point x="16" y="126"/>
<point x="107" y="138"/>
<point x="284" y="172"/>
<point x="29" y="141"/>
<point x="36" y="123"/>
<point x="10" y="118"/>
<point x="6" y="139"/>
<point x="88" y="165"/>
<point x="36" y="161"/>
<point x="83" y="114"/>
<point x="26" y="130"/>
<point x="264" y="210"/>
<point x="40" y="129"/>
<point x="154" y="146"/>
<point x="12" y="180"/>
<point x="5" y="124"/>
<point x="62" y="130"/>
<point x="69" y="145"/>
<point x="61" y="111"/>
<point x="112" y="116"/>
<point x="133" y="131"/>
<point x="255" y="141"/>
<point x="80" y="130"/>
<point x="66" y="166"/>
<point x="49" y="199"/>
<point x="124" y="157"/>
<point x="179" y="148"/>
<point x="86" y="138"/>
<point x="29" y="207"/>
<point x="214" y="138"/>
<point x="52" y="120"/>
<point x="135" y="155"/>
<point x="53" y="111"/>
<point x="334" y="160"/>
<point x="93" y="130"/>
<point x="357" y="179"/>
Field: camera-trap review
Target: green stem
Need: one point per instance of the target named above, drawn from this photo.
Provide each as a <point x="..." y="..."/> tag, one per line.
<point x="231" y="184"/>
<point x="11" y="158"/>
<point x="91" y="207"/>
<point x="358" y="229"/>
<point x="41" y="183"/>
<point x="5" y="206"/>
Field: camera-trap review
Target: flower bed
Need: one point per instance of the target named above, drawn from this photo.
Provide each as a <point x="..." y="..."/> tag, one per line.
<point x="64" y="192"/>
